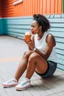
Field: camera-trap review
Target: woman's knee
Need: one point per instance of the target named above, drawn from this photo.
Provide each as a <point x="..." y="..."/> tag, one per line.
<point x="26" y="54"/>
<point x="33" y="56"/>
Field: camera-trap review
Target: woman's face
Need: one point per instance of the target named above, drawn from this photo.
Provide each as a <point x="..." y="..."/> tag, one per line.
<point x="35" y="28"/>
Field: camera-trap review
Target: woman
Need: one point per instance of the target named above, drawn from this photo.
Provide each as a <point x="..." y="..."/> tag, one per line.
<point x="40" y="57"/>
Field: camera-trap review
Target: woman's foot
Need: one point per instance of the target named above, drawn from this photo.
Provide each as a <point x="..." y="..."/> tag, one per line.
<point x="10" y="83"/>
<point x="25" y="83"/>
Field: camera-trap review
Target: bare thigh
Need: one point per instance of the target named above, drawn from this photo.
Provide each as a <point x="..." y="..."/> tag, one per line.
<point x="41" y="64"/>
<point x="27" y="54"/>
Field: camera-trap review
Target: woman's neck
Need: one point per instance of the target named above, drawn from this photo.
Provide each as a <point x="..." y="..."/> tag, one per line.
<point x="40" y="35"/>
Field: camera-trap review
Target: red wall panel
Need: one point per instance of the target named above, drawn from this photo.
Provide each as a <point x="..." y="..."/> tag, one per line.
<point x="0" y="8"/>
<point x="8" y="8"/>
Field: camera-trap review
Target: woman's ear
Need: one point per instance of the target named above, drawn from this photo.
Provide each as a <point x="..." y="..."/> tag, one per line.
<point x="40" y="27"/>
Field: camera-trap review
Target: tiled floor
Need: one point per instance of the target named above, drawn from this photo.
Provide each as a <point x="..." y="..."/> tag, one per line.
<point x="11" y="51"/>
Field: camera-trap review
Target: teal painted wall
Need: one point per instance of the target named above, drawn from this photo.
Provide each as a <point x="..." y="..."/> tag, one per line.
<point x="1" y="26"/>
<point x="18" y="26"/>
<point x="57" y="29"/>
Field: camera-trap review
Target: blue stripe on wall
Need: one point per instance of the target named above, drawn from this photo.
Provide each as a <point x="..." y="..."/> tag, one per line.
<point x="1" y="26"/>
<point x="18" y="26"/>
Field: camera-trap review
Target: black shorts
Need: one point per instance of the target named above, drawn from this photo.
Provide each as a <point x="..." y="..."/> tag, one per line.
<point x="51" y="69"/>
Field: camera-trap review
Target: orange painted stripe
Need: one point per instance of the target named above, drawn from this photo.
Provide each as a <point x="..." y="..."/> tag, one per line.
<point x="9" y="59"/>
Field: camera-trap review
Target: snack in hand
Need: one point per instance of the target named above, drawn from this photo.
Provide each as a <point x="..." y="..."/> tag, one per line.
<point x="27" y="36"/>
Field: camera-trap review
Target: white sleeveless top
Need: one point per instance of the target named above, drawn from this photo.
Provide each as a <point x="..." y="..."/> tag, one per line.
<point x="41" y="45"/>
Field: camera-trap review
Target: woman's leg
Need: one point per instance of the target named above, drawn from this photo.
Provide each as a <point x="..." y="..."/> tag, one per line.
<point x="23" y="65"/>
<point x="21" y="68"/>
<point x="36" y="62"/>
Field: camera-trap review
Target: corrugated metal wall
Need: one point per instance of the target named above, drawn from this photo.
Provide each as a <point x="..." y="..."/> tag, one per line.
<point x="1" y="20"/>
<point x="0" y="8"/>
<point x="29" y="7"/>
<point x="7" y="8"/>
<point x="1" y="27"/>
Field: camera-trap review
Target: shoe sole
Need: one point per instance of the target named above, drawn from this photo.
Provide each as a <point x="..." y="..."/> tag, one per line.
<point x="7" y="86"/>
<point x="20" y="89"/>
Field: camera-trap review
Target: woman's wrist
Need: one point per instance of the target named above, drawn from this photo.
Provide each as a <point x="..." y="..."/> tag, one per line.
<point x="34" y="49"/>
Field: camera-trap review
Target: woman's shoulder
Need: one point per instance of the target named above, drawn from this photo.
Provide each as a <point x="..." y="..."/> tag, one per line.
<point x="50" y="39"/>
<point x="49" y="35"/>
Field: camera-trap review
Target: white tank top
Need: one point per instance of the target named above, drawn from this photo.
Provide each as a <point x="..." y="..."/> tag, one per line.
<point x="41" y="45"/>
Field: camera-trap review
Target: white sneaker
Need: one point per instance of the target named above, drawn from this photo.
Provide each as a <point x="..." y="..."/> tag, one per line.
<point x="10" y="83"/>
<point x="25" y="83"/>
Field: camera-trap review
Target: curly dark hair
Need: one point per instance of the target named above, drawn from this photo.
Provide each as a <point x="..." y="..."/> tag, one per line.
<point x="42" y="21"/>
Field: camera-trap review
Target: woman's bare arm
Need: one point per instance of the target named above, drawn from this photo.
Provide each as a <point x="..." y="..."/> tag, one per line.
<point x="50" y="44"/>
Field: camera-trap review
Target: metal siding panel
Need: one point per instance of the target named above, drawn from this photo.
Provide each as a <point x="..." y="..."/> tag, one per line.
<point x="60" y="52"/>
<point x="1" y="26"/>
<point x="39" y="6"/>
<point x="48" y="6"/>
<point x="57" y="29"/>
<point x="44" y="6"/>
<point x="52" y="6"/>
<point x="33" y="6"/>
<point x="58" y="34"/>
<point x="60" y="45"/>
<point x="56" y="6"/>
<point x="30" y="7"/>
<point x="0" y="8"/>
<point x="8" y="9"/>
<point x="17" y="26"/>
<point x="58" y="39"/>
<point x="60" y="67"/>
<point x="59" y="6"/>
<point x="24" y="11"/>
<point x="41" y="2"/>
